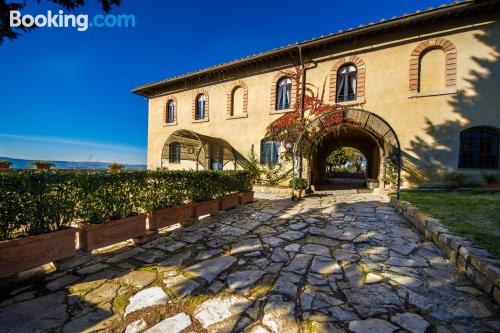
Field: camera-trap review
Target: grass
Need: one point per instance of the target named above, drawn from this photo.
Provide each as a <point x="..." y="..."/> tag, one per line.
<point x="473" y="214"/>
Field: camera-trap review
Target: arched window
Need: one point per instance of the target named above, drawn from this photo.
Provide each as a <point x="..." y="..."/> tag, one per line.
<point x="433" y="66"/>
<point x="174" y="152"/>
<point x="284" y="93"/>
<point x="200" y="107"/>
<point x="170" y="112"/>
<point x="237" y="102"/>
<point x="347" y="77"/>
<point x="432" y="70"/>
<point x="479" y="148"/>
<point x="269" y="152"/>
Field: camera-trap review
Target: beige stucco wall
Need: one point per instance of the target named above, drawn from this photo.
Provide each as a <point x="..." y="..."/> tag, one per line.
<point x="428" y="126"/>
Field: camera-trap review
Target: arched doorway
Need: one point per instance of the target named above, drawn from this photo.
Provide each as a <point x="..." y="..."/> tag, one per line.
<point x="346" y="136"/>
<point x="361" y="129"/>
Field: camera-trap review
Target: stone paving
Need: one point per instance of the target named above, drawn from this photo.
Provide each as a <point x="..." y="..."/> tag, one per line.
<point x="329" y="263"/>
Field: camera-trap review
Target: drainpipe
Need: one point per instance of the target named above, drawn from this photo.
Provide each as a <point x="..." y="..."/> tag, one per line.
<point x="302" y="94"/>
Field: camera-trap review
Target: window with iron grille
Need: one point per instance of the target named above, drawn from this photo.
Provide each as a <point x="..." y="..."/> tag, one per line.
<point x="479" y="148"/>
<point x="175" y="152"/>
<point x="283" y="93"/>
<point x="200" y="107"/>
<point x="347" y="76"/>
<point x="170" y="112"/>
<point x="269" y="152"/>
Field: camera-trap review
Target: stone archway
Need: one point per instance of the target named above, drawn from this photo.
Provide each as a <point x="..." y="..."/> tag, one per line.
<point x="323" y="133"/>
<point x="347" y="137"/>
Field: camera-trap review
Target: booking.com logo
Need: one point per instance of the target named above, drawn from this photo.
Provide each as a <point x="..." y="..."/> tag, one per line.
<point x="61" y="20"/>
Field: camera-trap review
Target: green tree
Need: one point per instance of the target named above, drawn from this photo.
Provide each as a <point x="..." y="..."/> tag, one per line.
<point x="6" y="31"/>
<point x="337" y="159"/>
<point x="253" y="166"/>
<point x="354" y="158"/>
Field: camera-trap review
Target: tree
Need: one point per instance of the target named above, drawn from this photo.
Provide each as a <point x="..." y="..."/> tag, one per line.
<point x="355" y="159"/>
<point x="6" y="31"/>
<point x="337" y="159"/>
<point x="351" y="159"/>
<point x="253" y="166"/>
<point x="115" y="167"/>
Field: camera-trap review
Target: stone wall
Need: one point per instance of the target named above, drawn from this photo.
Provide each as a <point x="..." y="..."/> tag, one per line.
<point x="479" y="265"/>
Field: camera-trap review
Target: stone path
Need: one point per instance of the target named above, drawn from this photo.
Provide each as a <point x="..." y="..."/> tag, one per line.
<point x="331" y="263"/>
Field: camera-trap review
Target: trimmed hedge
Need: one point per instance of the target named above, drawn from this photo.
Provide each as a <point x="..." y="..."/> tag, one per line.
<point x="33" y="203"/>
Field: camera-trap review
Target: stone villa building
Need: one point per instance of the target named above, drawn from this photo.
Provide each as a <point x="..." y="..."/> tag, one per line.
<point x="431" y="76"/>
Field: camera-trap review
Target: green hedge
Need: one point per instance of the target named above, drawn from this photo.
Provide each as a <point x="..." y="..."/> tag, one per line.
<point x="33" y="203"/>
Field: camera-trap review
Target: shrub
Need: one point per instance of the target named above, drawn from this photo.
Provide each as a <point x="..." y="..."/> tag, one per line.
<point x="5" y="164"/>
<point x="391" y="170"/>
<point x="300" y="183"/>
<point x="41" y="164"/>
<point x="274" y="174"/>
<point x="33" y="203"/>
<point x="114" y="167"/>
<point x="36" y="203"/>
<point x="253" y="166"/>
<point x="456" y="177"/>
<point x="491" y="178"/>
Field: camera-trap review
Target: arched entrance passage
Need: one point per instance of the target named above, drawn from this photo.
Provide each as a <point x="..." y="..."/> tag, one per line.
<point x="346" y="136"/>
<point x="190" y="150"/>
<point x="350" y="127"/>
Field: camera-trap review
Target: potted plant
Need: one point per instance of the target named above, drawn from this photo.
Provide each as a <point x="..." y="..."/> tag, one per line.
<point x="115" y="167"/>
<point x="298" y="185"/>
<point x="111" y="232"/>
<point x="229" y="201"/>
<point x="209" y="207"/>
<point x="20" y="254"/>
<point x="4" y="165"/>
<point x="456" y="178"/>
<point x="164" y="213"/>
<point x="372" y="183"/>
<point x="492" y="182"/>
<point x="165" y="217"/>
<point x="246" y="197"/>
<point x="42" y="165"/>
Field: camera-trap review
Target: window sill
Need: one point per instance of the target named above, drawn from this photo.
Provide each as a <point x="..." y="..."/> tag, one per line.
<point x="281" y="111"/>
<point x="354" y="101"/>
<point x="433" y="93"/>
<point x="200" y="121"/>
<point x="237" y="117"/>
<point x="169" y="124"/>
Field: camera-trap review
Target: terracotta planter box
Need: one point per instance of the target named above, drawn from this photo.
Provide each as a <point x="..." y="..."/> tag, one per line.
<point x="112" y="232"/>
<point x="297" y="193"/>
<point x="491" y="186"/>
<point x="21" y="254"/>
<point x="206" y="207"/>
<point x="4" y="166"/>
<point x="246" y="197"/>
<point x="168" y="216"/>
<point x="229" y="201"/>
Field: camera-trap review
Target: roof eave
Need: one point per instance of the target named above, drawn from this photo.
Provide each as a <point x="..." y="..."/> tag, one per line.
<point x="143" y="90"/>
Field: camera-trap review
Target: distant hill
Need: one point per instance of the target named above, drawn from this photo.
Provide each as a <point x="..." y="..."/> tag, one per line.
<point x="18" y="163"/>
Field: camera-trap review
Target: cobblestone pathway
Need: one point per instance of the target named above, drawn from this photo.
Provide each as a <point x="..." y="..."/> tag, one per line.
<point x="326" y="264"/>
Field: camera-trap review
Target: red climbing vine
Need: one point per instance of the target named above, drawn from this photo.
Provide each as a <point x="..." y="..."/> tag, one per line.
<point x="287" y="128"/>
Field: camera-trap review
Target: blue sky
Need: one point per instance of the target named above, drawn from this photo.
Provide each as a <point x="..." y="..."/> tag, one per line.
<point x="65" y="94"/>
